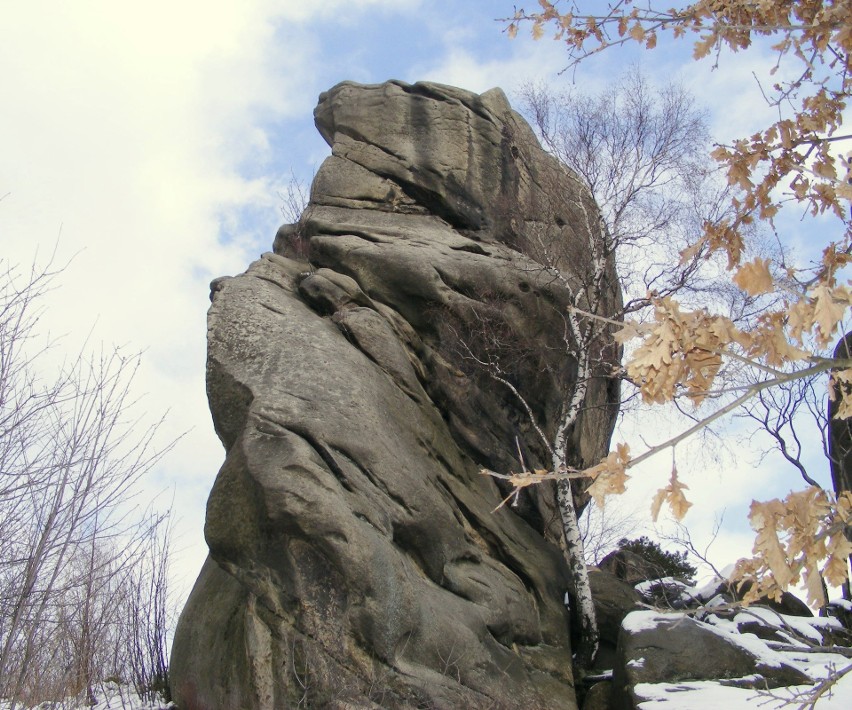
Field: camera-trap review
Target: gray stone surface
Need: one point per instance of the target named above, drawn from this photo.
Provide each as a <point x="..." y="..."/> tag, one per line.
<point x="599" y="697"/>
<point x="667" y="648"/>
<point x="631" y="567"/>
<point x="614" y="599"/>
<point x="355" y="556"/>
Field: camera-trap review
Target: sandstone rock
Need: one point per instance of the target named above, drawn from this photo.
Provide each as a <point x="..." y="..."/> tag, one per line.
<point x="789" y="603"/>
<point x="599" y="697"/>
<point x="631" y="567"/>
<point x="356" y="558"/>
<point x="657" y="648"/>
<point x="614" y="599"/>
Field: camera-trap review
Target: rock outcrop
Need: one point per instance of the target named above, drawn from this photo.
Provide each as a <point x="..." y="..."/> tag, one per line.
<point x="356" y="557"/>
<point x="691" y="647"/>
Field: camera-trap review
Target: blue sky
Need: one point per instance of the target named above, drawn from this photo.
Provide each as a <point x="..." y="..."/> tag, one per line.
<point x="151" y="141"/>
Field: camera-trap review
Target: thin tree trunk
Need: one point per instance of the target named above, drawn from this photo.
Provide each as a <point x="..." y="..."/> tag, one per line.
<point x="579" y="575"/>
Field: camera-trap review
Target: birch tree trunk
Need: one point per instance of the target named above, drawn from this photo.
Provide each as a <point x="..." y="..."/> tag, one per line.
<point x="574" y="554"/>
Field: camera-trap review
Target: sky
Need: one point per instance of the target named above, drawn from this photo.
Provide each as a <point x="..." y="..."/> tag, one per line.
<point x="149" y="143"/>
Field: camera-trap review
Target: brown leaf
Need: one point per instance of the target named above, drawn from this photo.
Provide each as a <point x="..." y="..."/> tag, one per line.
<point x="637" y="32"/>
<point x="673" y="495"/>
<point x="754" y="277"/>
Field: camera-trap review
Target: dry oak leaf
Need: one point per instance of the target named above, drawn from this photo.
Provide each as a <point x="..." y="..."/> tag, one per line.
<point x="824" y="309"/>
<point x="812" y="524"/>
<point x="829" y="308"/>
<point x="610" y="475"/>
<point x="769" y="340"/>
<point x="765" y="519"/>
<point x="673" y="495"/>
<point x="839" y="550"/>
<point x="840" y="391"/>
<point x="629" y="330"/>
<point x="754" y="277"/>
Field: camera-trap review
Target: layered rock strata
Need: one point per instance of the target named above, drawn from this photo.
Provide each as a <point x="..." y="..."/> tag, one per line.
<point x="356" y="556"/>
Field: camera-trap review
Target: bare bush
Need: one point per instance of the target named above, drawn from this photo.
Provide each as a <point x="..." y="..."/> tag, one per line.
<point x="72" y="453"/>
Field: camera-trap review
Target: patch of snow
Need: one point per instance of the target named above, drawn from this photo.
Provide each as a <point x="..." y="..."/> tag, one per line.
<point x="674" y="589"/>
<point x="801" y="625"/>
<point x="844" y="604"/>
<point x="708" y="591"/>
<point x="644" y="620"/>
<point x="707" y="695"/>
<point x="636" y="663"/>
<point x="718" y="600"/>
<point x="649" y="585"/>
<point x="109" y="696"/>
<point x="721" y="623"/>
<point x="728" y="571"/>
<point x="822" y="622"/>
<point x="757" y="647"/>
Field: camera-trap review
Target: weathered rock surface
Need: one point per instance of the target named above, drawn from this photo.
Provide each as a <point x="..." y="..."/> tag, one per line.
<point x="631" y="567"/>
<point x="614" y="599"/>
<point x="355" y="556"/>
<point x="658" y="647"/>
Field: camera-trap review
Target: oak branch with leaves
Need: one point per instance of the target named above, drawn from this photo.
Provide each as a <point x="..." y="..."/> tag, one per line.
<point x="796" y="162"/>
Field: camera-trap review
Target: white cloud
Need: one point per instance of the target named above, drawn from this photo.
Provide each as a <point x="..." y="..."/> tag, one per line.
<point x="511" y="64"/>
<point x="142" y="134"/>
<point x="127" y="129"/>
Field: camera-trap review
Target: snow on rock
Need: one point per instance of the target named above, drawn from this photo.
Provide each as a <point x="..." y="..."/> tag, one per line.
<point x="668" y="590"/>
<point x="646" y="620"/>
<point x="671" y="661"/>
<point x="797" y="624"/>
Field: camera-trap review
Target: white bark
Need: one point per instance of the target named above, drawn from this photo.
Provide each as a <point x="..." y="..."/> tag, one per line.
<point x="574" y="553"/>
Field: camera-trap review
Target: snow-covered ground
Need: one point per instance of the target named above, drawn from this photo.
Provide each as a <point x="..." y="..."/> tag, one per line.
<point x="706" y="695"/>
<point x="804" y="634"/>
<point x="110" y="696"/>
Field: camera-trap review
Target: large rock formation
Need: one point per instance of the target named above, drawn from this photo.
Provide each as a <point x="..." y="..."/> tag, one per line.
<point x="356" y="557"/>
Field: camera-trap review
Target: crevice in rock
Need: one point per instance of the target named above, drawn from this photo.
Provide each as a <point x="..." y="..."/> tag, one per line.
<point x="359" y="137"/>
<point x="496" y="547"/>
<point x="269" y="280"/>
<point x="472" y="248"/>
<point x="347" y="230"/>
<point x="277" y="311"/>
<point x="325" y="453"/>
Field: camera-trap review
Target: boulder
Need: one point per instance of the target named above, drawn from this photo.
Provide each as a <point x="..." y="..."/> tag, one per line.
<point x="599" y="697"/>
<point x="358" y="557"/>
<point x="614" y="599"/>
<point x="668" y="648"/>
<point x="631" y="567"/>
<point x="789" y="604"/>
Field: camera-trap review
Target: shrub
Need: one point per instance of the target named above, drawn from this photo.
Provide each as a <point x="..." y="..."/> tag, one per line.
<point x="670" y="564"/>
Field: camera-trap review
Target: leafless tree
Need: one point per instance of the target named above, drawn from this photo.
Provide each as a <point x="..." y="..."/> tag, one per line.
<point x="294" y="198"/>
<point x="72" y="452"/>
<point x="642" y="152"/>
<point x="149" y="616"/>
<point x="603" y="528"/>
<point x="639" y="154"/>
<point x="290" y="239"/>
